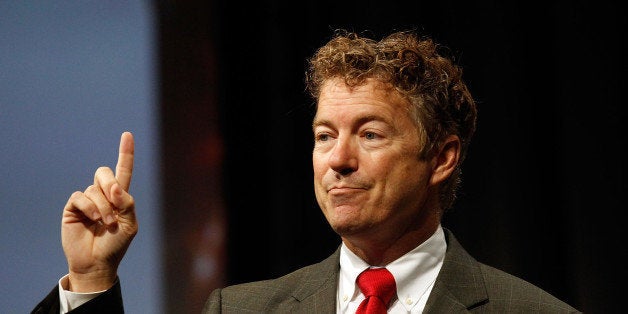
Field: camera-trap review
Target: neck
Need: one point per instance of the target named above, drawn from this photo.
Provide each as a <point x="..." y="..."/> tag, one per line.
<point x="383" y="250"/>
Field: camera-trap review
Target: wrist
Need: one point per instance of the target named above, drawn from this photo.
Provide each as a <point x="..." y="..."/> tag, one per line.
<point x="90" y="282"/>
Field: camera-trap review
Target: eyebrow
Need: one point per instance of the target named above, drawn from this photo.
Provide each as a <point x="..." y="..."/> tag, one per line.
<point x="360" y="121"/>
<point x="317" y="123"/>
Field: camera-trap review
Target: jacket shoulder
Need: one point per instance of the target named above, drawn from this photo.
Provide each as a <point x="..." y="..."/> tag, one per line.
<point x="464" y="285"/>
<point x="276" y="295"/>
<point x="510" y="293"/>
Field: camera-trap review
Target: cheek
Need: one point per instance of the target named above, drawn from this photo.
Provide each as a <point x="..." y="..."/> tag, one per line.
<point x="319" y="167"/>
<point x="404" y="176"/>
<point x="319" y="171"/>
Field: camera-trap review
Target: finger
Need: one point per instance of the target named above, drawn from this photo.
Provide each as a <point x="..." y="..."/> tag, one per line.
<point x="124" y="168"/>
<point x="104" y="208"/>
<point x="122" y="200"/>
<point x="78" y="203"/>
<point x="105" y="179"/>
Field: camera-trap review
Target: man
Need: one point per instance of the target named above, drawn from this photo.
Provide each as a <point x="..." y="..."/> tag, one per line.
<point x="393" y="123"/>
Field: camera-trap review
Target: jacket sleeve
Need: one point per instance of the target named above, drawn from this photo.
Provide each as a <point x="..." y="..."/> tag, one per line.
<point x="109" y="302"/>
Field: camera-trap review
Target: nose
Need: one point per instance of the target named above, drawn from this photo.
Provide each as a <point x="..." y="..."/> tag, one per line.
<point x="343" y="158"/>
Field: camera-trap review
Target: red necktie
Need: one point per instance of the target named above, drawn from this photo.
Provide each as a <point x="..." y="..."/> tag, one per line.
<point x="378" y="286"/>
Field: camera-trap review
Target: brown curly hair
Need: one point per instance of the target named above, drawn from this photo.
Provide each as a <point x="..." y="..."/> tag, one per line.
<point x="419" y="70"/>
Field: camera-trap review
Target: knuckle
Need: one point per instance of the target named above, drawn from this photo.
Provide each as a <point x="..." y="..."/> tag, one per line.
<point x="131" y="202"/>
<point x="102" y="171"/>
<point x="73" y="198"/>
<point x="90" y="189"/>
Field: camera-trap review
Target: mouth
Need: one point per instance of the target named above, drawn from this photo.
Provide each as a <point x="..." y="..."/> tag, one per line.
<point x="344" y="198"/>
<point x="344" y="189"/>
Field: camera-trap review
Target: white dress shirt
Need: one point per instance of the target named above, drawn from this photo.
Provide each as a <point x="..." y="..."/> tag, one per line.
<point x="70" y="300"/>
<point x="415" y="273"/>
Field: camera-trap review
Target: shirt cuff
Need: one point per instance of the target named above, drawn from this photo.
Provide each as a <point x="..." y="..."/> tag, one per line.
<point x="70" y="300"/>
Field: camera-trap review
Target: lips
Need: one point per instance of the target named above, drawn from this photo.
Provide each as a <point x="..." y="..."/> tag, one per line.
<point x="336" y="189"/>
<point x="344" y="189"/>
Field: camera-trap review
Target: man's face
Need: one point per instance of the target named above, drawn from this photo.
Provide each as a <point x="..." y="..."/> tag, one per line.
<point x="368" y="177"/>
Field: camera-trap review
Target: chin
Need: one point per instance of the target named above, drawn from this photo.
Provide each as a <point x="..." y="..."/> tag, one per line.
<point x="346" y="219"/>
<point x="348" y="227"/>
<point x="344" y="230"/>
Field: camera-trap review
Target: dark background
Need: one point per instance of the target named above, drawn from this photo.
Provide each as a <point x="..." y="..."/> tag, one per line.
<point x="546" y="170"/>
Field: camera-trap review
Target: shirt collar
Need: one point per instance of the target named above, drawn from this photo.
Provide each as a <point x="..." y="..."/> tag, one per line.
<point x="414" y="272"/>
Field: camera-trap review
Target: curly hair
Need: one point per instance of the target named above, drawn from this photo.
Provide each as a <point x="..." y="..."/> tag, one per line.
<point x="419" y="70"/>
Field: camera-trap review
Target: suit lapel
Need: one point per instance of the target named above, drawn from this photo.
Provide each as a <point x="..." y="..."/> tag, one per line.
<point x="318" y="288"/>
<point x="460" y="284"/>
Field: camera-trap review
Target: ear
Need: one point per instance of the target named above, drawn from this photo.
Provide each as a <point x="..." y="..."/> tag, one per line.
<point x="445" y="161"/>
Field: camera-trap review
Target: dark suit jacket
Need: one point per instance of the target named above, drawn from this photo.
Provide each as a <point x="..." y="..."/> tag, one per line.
<point x="463" y="285"/>
<point x="109" y="302"/>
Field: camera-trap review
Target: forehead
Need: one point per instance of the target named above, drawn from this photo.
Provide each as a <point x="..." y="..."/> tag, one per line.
<point x="336" y="88"/>
<point x="373" y="98"/>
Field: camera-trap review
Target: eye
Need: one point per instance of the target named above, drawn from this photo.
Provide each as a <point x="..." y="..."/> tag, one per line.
<point x="322" y="137"/>
<point x="370" y="135"/>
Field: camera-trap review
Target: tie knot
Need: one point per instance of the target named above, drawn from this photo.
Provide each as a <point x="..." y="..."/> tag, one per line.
<point x="378" y="282"/>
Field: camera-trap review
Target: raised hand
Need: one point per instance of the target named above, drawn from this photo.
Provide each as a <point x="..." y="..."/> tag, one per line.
<point x="99" y="224"/>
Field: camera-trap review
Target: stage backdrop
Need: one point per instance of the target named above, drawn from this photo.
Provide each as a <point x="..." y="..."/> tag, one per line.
<point x="543" y="184"/>
<point x="73" y="76"/>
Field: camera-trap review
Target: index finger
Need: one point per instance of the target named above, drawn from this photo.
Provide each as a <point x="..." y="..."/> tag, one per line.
<point x="124" y="168"/>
